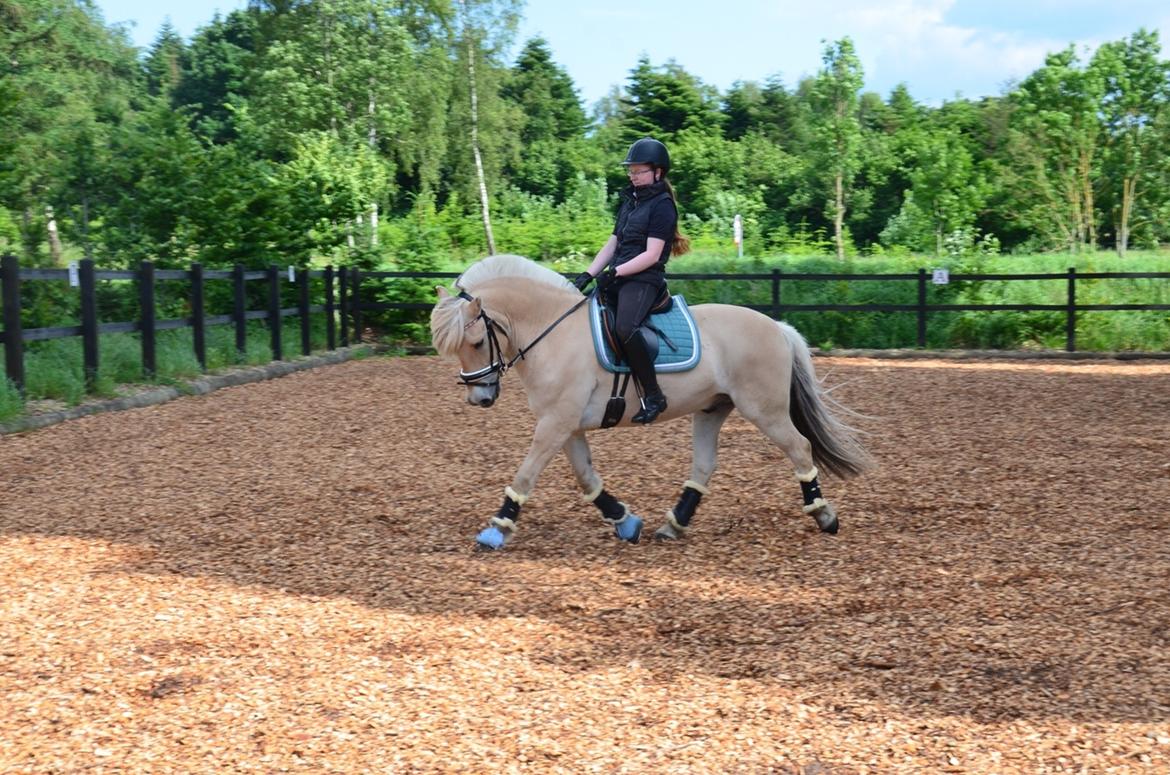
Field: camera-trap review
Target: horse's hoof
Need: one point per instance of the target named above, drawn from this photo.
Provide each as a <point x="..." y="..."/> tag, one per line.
<point x="491" y="538"/>
<point x="827" y="520"/>
<point x="667" y="532"/>
<point x="628" y="528"/>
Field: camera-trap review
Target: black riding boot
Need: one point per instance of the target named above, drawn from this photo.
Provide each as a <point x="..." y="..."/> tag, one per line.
<point x="638" y="356"/>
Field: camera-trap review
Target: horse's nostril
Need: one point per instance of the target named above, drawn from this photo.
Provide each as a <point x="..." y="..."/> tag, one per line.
<point x="486" y="402"/>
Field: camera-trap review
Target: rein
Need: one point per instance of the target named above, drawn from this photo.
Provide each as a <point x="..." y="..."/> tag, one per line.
<point x="496" y="364"/>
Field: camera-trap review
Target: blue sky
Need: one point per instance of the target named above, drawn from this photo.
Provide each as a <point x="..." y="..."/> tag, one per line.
<point x="940" y="48"/>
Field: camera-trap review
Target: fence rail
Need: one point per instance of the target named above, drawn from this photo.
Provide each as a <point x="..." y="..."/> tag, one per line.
<point x="343" y="303"/>
<point x="85" y="278"/>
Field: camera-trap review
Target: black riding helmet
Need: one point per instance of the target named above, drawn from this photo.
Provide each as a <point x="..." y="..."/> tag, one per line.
<point x="648" y="151"/>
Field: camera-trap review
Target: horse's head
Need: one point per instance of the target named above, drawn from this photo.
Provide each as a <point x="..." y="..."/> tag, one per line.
<point x="460" y="328"/>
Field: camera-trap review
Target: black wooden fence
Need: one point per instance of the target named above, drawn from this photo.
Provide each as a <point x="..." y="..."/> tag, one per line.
<point x="343" y="304"/>
<point x="334" y="302"/>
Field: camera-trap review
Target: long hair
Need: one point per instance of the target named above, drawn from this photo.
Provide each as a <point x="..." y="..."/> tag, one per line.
<point x="680" y="244"/>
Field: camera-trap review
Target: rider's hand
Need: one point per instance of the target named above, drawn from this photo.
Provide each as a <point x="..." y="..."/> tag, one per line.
<point x="582" y="281"/>
<point x="606" y="278"/>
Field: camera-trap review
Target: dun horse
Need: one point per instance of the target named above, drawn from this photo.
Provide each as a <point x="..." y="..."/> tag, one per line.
<point x="511" y="311"/>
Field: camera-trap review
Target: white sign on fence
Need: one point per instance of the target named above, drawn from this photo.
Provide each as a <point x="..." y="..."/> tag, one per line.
<point x="292" y="274"/>
<point x="940" y="276"/>
<point x="74" y="277"/>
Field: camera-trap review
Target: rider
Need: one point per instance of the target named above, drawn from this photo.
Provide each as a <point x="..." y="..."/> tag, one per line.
<point x="631" y="267"/>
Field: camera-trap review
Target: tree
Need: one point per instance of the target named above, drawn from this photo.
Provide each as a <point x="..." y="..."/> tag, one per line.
<point x="65" y="80"/>
<point x="1053" y="151"/>
<point x="662" y="101"/>
<point x="215" y="73"/>
<point x="1134" y="100"/>
<point x="553" y="122"/>
<point x="837" y="128"/>
<point x="164" y="63"/>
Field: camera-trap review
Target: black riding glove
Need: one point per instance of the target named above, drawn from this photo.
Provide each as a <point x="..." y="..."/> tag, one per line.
<point x="582" y="281"/>
<point x="606" y="278"/>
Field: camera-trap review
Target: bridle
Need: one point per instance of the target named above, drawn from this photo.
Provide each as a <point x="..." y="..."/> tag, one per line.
<point x="496" y="365"/>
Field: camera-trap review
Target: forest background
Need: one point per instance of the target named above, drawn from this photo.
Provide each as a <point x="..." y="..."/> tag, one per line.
<point x="395" y="134"/>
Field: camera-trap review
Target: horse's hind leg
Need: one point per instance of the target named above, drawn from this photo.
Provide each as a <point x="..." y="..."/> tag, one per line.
<point x="626" y="525"/>
<point x="705" y="442"/>
<point x="776" y="424"/>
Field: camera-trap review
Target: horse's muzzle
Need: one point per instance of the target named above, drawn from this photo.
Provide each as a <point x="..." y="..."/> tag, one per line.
<point x="483" y="395"/>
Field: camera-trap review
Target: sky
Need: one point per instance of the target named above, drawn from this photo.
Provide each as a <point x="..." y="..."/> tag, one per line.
<point x="941" y="49"/>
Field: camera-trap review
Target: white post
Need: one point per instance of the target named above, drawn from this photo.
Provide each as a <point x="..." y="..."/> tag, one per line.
<point x="737" y="227"/>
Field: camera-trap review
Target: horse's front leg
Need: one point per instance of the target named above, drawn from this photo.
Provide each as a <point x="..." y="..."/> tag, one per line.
<point x="705" y="442"/>
<point x="549" y="437"/>
<point x="626" y="525"/>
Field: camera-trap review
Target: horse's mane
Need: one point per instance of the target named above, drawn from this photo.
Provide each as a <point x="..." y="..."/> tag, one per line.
<point x="447" y="318"/>
<point x="508" y="265"/>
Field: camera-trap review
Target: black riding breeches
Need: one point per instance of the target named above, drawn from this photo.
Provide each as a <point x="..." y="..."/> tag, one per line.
<point x="634" y="300"/>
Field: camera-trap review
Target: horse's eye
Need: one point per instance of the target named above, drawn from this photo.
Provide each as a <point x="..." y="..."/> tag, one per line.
<point x="478" y="344"/>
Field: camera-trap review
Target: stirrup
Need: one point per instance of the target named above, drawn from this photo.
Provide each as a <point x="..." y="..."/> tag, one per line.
<point x="652" y="406"/>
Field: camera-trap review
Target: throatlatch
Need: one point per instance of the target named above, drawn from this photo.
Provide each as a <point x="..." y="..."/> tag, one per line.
<point x="810" y="488"/>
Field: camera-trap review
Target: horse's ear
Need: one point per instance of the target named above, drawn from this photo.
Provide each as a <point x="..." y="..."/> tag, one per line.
<point x="443" y="295"/>
<point x="474" y="306"/>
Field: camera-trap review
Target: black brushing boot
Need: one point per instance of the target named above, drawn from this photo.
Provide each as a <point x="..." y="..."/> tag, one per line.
<point x="638" y="356"/>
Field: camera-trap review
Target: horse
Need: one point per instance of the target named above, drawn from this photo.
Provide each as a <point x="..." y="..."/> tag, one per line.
<point x="512" y="312"/>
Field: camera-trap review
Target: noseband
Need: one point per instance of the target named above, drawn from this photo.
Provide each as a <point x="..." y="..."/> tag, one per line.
<point x="496" y="364"/>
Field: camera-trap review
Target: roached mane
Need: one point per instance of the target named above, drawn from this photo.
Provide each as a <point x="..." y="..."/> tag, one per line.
<point x="447" y="318"/>
<point x="507" y="265"/>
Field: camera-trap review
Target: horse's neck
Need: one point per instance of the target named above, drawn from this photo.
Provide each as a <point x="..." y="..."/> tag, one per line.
<point x="525" y="308"/>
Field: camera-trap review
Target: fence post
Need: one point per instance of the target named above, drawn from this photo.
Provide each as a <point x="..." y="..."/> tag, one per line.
<point x="239" y="310"/>
<point x="343" y="299"/>
<point x="356" y="307"/>
<point x="274" y="321"/>
<point x="89" y="323"/>
<point x="922" y="308"/>
<point x="303" y="309"/>
<point x="1071" y="315"/>
<point x="330" y="310"/>
<point x="13" y="331"/>
<point x="198" y="326"/>
<point x="146" y="318"/>
<point x="775" y="294"/>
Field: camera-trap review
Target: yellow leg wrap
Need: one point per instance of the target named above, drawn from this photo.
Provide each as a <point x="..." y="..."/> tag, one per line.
<point x="504" y="523"/>
<point x="696" y="487"/>
<point x="590" y="497"/>
<point x="515" y="496"/>
<point x="680" y="529"/>
<point x="819" y="503"/>
<point x="808" y="476"/>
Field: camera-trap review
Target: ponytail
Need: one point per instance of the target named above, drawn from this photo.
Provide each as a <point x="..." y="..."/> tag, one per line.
<point x="679" y="245"/>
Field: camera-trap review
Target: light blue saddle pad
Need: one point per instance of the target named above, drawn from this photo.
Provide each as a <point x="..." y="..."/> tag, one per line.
<point x="678" y="346"/>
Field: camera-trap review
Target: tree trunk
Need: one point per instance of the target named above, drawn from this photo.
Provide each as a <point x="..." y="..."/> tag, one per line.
<point x="1128" y="195"/>
<point x="839" y="215"/>
<point x="54" y="237"/>
<point x="483" y="193"/>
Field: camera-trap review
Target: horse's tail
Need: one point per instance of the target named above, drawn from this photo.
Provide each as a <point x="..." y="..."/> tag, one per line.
<point x="835" y="445"/>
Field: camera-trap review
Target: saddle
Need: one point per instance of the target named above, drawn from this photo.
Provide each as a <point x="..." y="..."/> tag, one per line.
<point x="670" y="323"/>
<point x="675" y="343"/>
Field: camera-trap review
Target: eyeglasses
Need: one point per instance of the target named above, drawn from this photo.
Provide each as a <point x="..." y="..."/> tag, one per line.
<point x="631" y="172"/>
